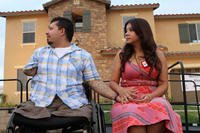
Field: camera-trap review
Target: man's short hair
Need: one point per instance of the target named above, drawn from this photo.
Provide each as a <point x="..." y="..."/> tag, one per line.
<point x="66" y="24"/>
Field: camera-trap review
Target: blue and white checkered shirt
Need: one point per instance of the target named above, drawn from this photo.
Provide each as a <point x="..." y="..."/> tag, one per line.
<point x="62" y="76"/>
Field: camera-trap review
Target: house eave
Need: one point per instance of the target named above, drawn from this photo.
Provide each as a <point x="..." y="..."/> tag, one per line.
<point x="52" y="2"/>
<point x="177" y="16"/>
<point x="22" y="13"/>
<point x="136" y="6"/>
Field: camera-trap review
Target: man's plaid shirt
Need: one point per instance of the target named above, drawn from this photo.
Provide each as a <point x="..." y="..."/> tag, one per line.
<point x="62" y="76"/>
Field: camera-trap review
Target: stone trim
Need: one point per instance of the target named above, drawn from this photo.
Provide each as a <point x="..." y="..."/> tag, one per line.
<point x="114" y="50"/>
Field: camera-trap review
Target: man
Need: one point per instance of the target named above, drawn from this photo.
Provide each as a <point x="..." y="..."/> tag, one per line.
<point x="58" y="71"/>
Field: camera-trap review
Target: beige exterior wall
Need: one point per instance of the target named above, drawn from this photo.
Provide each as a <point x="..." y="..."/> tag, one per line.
<point x="115" y="24"/>
<point x="188" y="62"/>
<point x="17" y="54"/>
<point x="168" y="34"/>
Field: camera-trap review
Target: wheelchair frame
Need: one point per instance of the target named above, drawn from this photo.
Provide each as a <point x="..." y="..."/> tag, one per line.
<point x="96" y="124"/>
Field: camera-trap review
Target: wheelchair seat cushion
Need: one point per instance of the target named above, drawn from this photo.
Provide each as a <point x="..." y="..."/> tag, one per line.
<point x="53" y="122"/>
<point x="57" y="108"/>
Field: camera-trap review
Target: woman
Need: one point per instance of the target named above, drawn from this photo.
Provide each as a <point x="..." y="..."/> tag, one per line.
<point x="140" y="78"/>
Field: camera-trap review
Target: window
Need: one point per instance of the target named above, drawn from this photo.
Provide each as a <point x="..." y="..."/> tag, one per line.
<point x="29" y="32"/>
<point x="189" y="33"/>
<point x="78" y="21"/>
<point x="125" y="19"/>
<point x="81" y="20"/>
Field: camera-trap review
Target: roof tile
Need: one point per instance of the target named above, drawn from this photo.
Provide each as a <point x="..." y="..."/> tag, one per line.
<point x="18" y="13"/>
<point x="189" y="15"/>
<point x="135" y="6"/>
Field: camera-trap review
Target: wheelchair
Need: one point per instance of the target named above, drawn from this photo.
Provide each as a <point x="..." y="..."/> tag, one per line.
<point x="75" y="124"/>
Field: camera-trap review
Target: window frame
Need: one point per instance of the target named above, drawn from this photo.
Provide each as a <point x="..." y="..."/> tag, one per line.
<point x="24" y="32"/>
<point x="85" y="22"/>
<point x="128" y="17"/>
<point x="189" y="33"/>
<point x="78" y="21"/>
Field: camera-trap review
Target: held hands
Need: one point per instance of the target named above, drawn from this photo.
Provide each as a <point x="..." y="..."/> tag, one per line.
<point x="131" y="95"/>
<point x="145" y="98"/>
<point x="127" y="95"/>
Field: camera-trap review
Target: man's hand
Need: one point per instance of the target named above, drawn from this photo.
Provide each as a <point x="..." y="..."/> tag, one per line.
<point x="127" y="94"/>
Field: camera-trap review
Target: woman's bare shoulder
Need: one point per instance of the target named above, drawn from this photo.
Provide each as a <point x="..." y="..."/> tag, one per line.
<point x="118" y="55"/>
<point x="160" y="54"/>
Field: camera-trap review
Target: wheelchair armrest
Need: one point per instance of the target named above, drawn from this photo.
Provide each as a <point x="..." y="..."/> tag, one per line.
<point x="98" y="119"/>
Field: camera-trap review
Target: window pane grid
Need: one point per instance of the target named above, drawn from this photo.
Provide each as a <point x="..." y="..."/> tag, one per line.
<point x="28" y="27"/>
<point x="28" y="32"/>
<point x="198" y="32"/>
<point x="193" y="35"/>
<point x="189" y="33"/>
<point x="28" y="37"/>
<point x="126" y="18"/>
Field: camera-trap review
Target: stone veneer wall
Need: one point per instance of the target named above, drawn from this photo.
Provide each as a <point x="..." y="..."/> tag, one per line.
<point x="90" y="41"/>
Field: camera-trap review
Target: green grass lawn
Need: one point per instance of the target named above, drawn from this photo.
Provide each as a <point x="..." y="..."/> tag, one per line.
<point x="192" y="113"/>
<point x="8" y="105"/>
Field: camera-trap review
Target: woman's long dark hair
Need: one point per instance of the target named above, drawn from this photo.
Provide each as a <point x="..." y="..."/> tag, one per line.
<point x="148" y="45"/>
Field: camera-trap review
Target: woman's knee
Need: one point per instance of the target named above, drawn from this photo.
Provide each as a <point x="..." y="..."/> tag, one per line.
<point x="156" y="128"/>
<point x="137" y="129"/>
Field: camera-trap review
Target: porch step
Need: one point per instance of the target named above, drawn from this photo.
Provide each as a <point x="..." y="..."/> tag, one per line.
<point x="193" y="129"/>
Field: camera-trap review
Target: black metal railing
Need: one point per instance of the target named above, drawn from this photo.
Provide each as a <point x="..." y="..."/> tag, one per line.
<point x="27" y="83"/>
<point x="21" y="91"/>
<point x="189" y="104"/>
<point x="182" y="72"/>
<point x="21" y="86"/>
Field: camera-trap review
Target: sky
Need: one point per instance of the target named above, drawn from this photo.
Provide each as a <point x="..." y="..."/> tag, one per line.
<point x="166" y="7"/>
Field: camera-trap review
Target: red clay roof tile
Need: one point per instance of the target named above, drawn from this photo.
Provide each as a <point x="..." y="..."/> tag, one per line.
<point x="18" y="13"/>
<point x="135" y="6"/>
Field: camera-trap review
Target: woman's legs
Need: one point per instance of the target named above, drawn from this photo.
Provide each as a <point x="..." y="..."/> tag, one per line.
<point x="156" y="128"/>
<point x="137" y="129"/>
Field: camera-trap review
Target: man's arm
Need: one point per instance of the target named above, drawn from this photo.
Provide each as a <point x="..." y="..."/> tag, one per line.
<point x="30" y="69"/>
<point x="30" y="72"/>
<point x="101" y="88"/>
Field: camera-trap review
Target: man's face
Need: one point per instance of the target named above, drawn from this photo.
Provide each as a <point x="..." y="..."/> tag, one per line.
<point x="52" y="33"/>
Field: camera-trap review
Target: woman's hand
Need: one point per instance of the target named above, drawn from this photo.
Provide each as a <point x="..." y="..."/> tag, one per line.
<point x="127" y="94"/>
<point x="145" y="98"/>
